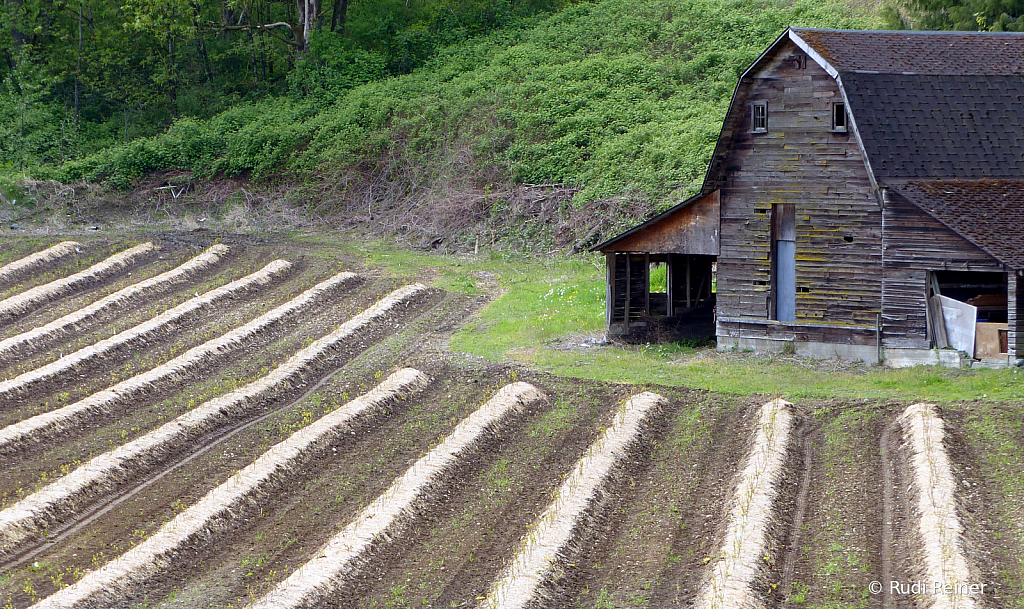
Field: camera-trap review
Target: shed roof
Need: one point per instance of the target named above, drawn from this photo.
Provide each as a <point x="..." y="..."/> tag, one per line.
<point x="988" y="213"/>
<point x="690" y="227"/>
<point x="918" y="52"/>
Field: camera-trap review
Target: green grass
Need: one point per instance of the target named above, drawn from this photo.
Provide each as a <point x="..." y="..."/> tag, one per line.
<point x="546" y="303"/>
<point x="997" y="434"/>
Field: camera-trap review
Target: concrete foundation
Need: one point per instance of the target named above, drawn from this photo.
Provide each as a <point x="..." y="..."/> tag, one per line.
<point x="865" y="353"/>
<point x="906" y="358"/>
<point x="893" y="358"/>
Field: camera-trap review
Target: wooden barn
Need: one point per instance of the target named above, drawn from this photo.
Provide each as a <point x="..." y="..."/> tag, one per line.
<point x="865" y="200"/>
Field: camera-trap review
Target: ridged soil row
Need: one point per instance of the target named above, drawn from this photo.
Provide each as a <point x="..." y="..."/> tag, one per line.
<point x="20" y="304"/>
<point x="561" y="534"/>
<point x="141" y="333"/>
<point x="346" y="555"/>
<point x="940" y="532"/>
<point x="37" y="338"/>
<point x="49" y="424"/>
<point x="730" y="578"/>
<point x="52" y="504"/>
<point x="36" y="261"/>
<point x="202" y="523"/>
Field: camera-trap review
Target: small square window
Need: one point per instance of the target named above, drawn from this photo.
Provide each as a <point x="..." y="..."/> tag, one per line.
<point x="839" y="117"/>
<point x="759" y="117"/>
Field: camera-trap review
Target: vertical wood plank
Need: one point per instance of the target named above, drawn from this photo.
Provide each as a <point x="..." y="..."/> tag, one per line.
<point x="670" y="285"/>
<point x="647" y="284"/>
<point x="609" y="271"/>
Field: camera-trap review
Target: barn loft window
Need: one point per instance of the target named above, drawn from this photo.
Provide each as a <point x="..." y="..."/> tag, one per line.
<point x="759" y="117"/>
<point x="839" y="117"/>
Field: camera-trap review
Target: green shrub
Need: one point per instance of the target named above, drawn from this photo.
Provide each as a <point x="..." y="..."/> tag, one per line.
<point x="618" y="97"/>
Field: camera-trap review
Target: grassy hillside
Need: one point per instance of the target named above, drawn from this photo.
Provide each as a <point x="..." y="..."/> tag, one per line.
<point x="617" y="102"/>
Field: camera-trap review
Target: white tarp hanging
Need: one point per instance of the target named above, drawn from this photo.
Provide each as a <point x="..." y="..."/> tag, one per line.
<point x="960" y="319"/>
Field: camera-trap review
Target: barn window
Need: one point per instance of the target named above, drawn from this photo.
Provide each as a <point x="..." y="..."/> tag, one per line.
<point x="759" y="117"/>
<point x="839" y="117"/>
<point x="658" y="276"/>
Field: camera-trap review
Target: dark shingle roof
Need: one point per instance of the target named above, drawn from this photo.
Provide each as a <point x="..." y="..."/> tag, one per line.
<point x="988" y="213"/>
<point x="929" y="126"/>
<point x="918" y="52"/>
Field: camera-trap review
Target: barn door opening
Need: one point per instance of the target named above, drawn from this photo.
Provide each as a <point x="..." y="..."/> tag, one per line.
<point x="968" y="310"/>
<point x="783" y="262"/>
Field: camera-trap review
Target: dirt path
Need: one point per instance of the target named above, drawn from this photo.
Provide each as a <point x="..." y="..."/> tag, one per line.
<point x="792" y="552"/>
<point x="887" y="516"/>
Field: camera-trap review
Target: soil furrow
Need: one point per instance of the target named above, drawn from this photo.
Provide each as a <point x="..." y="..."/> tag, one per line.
<point x="45" y="425"/>
<point x="285" y="529"/>
<point x="199" y="524"/>
<point x="21" y="304"/>
<point x="49" y="505"/>
<point x="732" y="575"/>
<point x="940" y="533"/>
<point x="141" y="334"/>
<point x="42" y="336"/>
<point x="337" y="565"/>
<point x="559" y="535"/>
<point x="33" y="262"/>
<point x="888" y="516"/>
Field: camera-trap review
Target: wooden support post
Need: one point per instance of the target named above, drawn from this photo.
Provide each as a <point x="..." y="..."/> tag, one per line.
<point x="609" y="310"/>
<point x="669" y="291"/>
<point x="689" y="292"/>
<point x="629" y="290"/>
<point x="647" y="284"/>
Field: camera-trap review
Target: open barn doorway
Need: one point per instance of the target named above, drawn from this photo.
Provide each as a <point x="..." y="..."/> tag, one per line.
<point x="968" y="311"/>
<point x="661" y="296"/>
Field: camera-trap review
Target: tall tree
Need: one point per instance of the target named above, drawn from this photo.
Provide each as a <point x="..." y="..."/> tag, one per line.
<point x="980" y="15"/>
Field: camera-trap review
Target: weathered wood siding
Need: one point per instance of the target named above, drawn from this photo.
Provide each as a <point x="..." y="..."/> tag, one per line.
<point x="1015" y="314"/>
<point x="690" y="230"/>
<point x="629" y="287"/>
<point x="916" y="243"/>
<point x="798" y="161"/>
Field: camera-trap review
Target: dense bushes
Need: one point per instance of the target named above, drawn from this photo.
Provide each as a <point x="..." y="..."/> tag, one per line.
<point x="619" y="97"/>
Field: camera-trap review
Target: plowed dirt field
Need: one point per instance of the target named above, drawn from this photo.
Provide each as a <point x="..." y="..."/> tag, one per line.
<point x="673" y="523"/>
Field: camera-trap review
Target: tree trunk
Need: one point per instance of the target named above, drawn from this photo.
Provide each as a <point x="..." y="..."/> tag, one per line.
<point x="301" y="34"/>
<point x="78" y="68"/>
<point x="308" y="11"/>
<point x="201" y="44"/>
<point x="338" y="16"/>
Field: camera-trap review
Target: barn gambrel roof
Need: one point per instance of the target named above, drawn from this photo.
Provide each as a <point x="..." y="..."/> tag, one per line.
<point x="939" y="117"/>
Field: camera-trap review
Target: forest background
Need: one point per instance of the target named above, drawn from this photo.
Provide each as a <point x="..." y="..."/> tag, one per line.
<point x="544" y="122"/>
